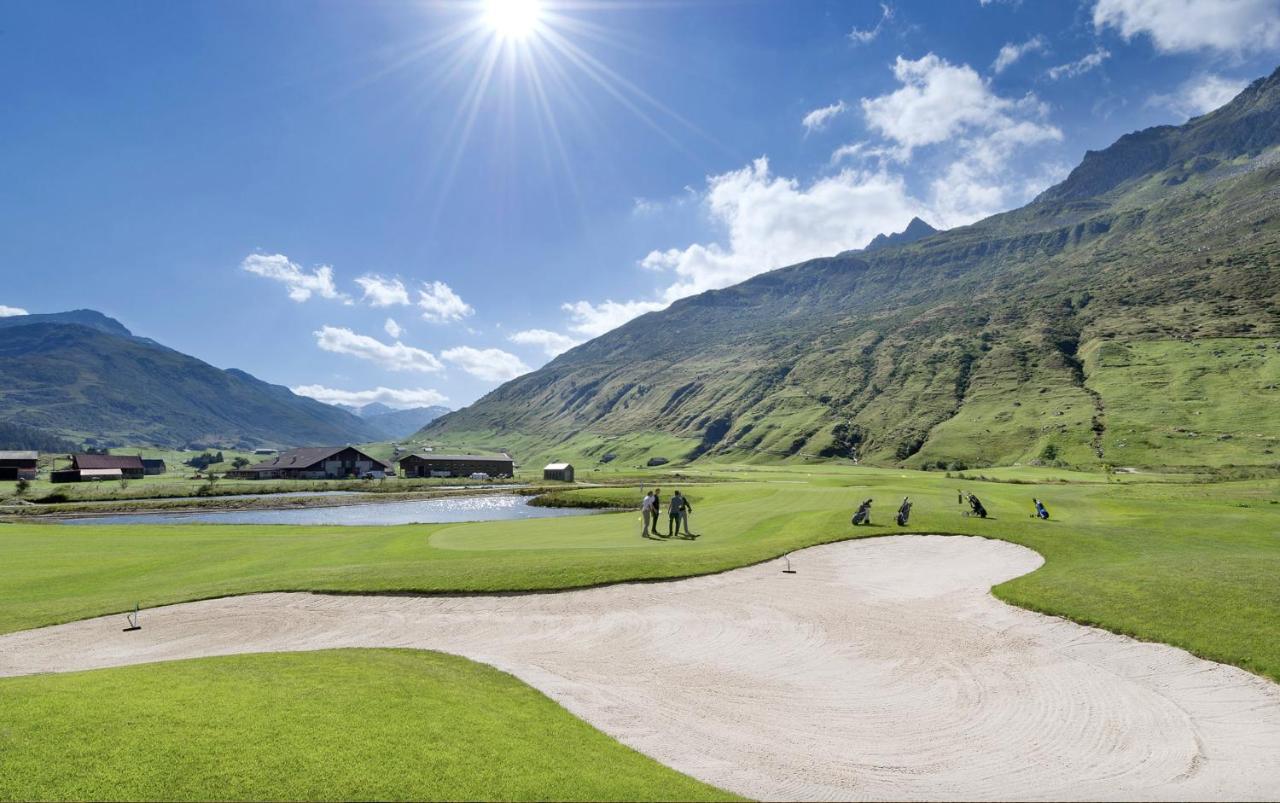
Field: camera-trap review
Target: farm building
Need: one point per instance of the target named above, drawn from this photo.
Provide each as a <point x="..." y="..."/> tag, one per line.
<point x="316" y="463"/>
<point x="558" y="471"/>
<point x="86" y="474"/>
<point x="152" y="466"/>
<point x="18" y="465"/>
<point x="455" y="465"/>
<point x="130" y="465"/>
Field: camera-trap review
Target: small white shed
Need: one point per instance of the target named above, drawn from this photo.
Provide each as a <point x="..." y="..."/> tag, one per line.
<point x="558" y="471"/>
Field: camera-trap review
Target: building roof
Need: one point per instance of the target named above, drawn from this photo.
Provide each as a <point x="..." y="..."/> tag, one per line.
<point x="557" y="466"/>
<point x="459" y="458"/>
<point x="19" y="455"/>
<point x="94" y="461"/>
<point x="306" y="456"/>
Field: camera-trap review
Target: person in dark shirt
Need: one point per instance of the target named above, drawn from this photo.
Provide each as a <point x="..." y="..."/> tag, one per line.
<point x="678" y="513"/>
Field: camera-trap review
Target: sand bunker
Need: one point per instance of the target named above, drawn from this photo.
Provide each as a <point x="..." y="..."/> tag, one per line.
<point x="883" y="669"/>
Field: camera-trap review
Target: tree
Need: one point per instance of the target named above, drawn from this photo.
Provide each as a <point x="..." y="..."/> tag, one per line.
<point x="21" y="488"/>
<point x="240" y="462"/>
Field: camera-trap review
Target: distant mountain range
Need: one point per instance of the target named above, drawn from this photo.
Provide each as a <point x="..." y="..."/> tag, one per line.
<point x="1126" y="316"/>
<point x="84" y="377"/>
<point x="396" y="424"/>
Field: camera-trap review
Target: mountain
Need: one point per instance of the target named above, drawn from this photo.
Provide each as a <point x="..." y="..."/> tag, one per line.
<point x="395" y="424"/>
<point x="82" y="317"/>
<point x="1126" y="316"/>
<point x="84" y="377"/>
<point x="917" y="229"/>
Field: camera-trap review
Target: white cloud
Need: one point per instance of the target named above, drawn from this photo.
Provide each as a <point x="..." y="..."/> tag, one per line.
<point x="551" y="343"/>
<point x="439" y="304"/>
<point x="590" y="320"/>
<point x="773" y="221"/>
<point x="380" y="292"/>
<point x="9" y="312"/>
<point x="770" y="221"/>
<point x="294" y="277"/>
<point x="1080" y="66"/>
<point x="400" y="398"/>
<point x="862" y="37"/>
<point x="817" y="119"/>
<point x="1180" y="26"/>
<point x="392" y="328"/>
<point x="492" y="365"/>
<point x="1011" y="53"/>
<point x="939" y="101"/>
<point x="391" y="356"/>
<point x="1200" y="94"/>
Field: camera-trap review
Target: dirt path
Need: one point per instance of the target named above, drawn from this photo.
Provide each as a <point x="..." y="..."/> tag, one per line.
<point x="883" y="669"/>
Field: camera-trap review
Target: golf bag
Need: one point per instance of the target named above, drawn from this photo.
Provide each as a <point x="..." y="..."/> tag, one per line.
<point x="1041" y="512"/>
<point x="863" y="515"/>
<point x="975" y="505"/>
<point x="904" y="512"/>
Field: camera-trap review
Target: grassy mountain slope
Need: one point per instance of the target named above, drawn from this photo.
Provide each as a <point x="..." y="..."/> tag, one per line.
<point x="85" y="379"/>
<point x="1023" y="337"/>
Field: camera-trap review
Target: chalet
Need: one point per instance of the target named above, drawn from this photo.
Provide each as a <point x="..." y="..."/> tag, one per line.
<point x="130" y="465"/>
<point x="154" y="466"/>
<point x="558" y="471"/>
<point x="18" y="465"/>
<point x="316" y="463"/>
<point x="429" y="464"/>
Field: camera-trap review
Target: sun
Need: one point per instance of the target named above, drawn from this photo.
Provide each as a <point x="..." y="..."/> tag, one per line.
<point x="513" y="19"/>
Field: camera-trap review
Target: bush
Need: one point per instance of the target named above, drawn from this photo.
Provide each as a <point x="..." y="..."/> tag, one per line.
<point x="657" y="461"/>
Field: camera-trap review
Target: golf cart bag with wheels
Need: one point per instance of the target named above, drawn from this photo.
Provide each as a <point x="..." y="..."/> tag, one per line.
<point x="904" y="512"/>
<point x="863" y="515"/>
<point x="1041" y="512"/>
<point x="976" y="506"/>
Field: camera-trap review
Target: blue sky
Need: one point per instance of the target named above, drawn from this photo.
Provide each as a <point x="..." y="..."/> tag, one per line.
<point x="407" y="202"/>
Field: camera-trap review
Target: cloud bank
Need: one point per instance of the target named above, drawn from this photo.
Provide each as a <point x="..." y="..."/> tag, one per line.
<point x="391" y="356"/>
<point x="402" y="398"/>
<point x="300" y="283"/>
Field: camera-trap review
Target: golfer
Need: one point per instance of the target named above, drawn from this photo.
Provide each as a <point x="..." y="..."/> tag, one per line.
<point x="646" y="514"/>
<point x="657" y="509"/>
<point x="678" y="513"/>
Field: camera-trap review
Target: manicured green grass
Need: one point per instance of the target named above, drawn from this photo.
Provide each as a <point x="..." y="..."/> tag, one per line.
<point x="1188" y="564"/>
<point x="331" y="725"/>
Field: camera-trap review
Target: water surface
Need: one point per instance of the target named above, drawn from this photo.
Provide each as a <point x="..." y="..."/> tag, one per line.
<point x="492" y="507"/>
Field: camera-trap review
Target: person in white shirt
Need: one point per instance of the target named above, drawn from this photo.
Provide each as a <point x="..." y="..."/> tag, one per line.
<point x="646" y="514"/>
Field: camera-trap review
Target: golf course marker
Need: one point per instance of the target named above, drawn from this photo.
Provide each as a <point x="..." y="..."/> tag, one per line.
<point x="133" y="620"/>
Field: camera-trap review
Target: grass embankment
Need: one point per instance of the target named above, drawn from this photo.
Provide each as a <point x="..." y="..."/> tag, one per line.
<point x="331" y="725"/>
<point x="1187" y="564"/>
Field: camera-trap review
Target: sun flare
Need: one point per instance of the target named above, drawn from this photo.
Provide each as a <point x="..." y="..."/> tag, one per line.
<point x="513" y="19"/>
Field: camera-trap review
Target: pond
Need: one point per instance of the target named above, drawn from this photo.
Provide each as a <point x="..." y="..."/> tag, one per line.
<point x="494" y="507"/>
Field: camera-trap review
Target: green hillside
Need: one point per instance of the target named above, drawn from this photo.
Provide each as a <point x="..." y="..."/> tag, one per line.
<point x="1127" y="316"/>
<point x="83" y="377"/>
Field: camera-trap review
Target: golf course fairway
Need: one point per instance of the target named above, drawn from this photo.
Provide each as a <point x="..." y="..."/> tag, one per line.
<point x="1163" y="558"/>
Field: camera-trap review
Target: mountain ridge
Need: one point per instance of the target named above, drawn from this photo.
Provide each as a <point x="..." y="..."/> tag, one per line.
<point x="84" y="377"/>
<point x="915" y="353"/>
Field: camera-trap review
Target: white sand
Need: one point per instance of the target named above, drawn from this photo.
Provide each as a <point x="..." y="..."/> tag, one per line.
<point x="883" y="669"/>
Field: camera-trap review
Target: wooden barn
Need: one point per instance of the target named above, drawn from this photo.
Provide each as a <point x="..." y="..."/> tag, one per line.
<point x="562" y="472"/>
<point x="130" y="465"/>
<point x="428" y="464"/>
<point x="153" y="466"/>
<point x="316" y="463"/>
<point x="18" y="465"/>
